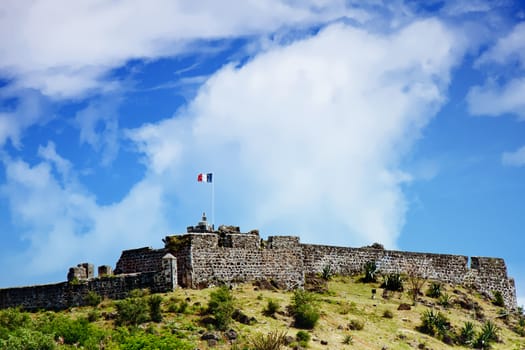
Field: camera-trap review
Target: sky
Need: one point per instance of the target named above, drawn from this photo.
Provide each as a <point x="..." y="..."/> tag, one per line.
<point x="342" y="122"/>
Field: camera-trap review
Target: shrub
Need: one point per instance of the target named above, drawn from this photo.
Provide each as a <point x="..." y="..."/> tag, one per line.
<point x="348" y="340"/>
<point x="356" y="325"/>
<point x="271" y="341"/>
<point x="369" y="269"/>
<point x="445" y="300"/>
<point x="466" y="334"/>
<point x="303" y="337"/>
<point x="146" y="341"/>
<point x="13" y="318"/>
<point x="498" y="298"/>
<point x="132" y="311"/>
<point x="26" y="339"/>
<point x="154" y="303"/>
<point x="271" y="308"/>
<point x="434" y="291"/>
<point x="304" y="309"/>
<point x="92" y="299"/>
<point x="488" y="334"/>
<point x="388" y="314"/>
<point x="416" y="281"/>
<point x="327" y="273"/>
<point x="221" y="307"/>
<point x="92" y="315"/>
<point x="434" y="324"/>
<point x="71" y="331"/>
<point x="393" y="282"/>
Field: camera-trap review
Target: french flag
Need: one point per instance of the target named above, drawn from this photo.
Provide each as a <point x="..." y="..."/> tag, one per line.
<point x="202" y="177"/>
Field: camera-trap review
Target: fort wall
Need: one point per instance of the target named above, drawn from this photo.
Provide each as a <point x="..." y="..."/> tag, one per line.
<point x="241" y="257"/>
<point x="201" y="259"/>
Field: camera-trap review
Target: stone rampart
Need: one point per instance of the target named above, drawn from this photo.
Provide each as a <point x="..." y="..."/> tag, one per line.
<point x="485" y="274"/>
<point x="245" y="259"/>
<point x="69" y="294"/>
<point x="140" y="260"/>
<point x="200" y="259"/>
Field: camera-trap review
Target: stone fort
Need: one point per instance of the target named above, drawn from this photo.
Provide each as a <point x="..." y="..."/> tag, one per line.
<point x="204" y="257"/>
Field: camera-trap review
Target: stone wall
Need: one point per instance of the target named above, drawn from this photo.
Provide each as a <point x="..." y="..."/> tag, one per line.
<point x="68" y="294"/>
<point x="202" y="259"/>
<point x="245" y="259"/>
<point x="485" y="274"/>
<point x="140" y="260"/>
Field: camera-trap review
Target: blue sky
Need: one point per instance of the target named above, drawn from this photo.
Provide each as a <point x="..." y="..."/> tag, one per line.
<point x="342" y="122"/>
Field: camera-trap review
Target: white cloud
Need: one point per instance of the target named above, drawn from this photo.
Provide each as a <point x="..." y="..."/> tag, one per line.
<point x="98" y="124"/>
<point x="29" y="110"/>
<point x="62" y="224"/>
<point x="494" y="100"/>
<point x="507" y="48"/>
<point x="308" y="137"/>
<point x="65" y="49"/>
<point x="516" y="158"/>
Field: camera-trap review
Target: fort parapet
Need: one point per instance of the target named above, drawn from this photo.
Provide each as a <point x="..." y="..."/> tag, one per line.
<point x="204" y="257"/>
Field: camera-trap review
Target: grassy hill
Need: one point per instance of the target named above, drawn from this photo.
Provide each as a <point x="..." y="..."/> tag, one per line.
<point x="349" y="318"/>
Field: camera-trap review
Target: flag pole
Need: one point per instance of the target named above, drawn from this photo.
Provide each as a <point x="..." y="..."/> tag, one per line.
<point x="213" y="202"/>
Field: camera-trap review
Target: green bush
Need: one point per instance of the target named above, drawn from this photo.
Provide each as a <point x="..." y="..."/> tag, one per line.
<point x="13" y="318"/>
<point x="434" y="291"/>
<point x="304" y="309"/>
<point x="445" y="300"/>
<point x="132" y="311"/>
<point x="498" y="298"/>
<point x="70" y="331"/>
<point x="393" y="282"/>
<point x="435" y="324"/>
<point x="271" y="341"/>
<point x="92" y="299"/>
<point x="146" y="341"/>
<point x="370" y="270"/>
<point x="221" y="307"/>
<point x="303" y="337"/>
<point x="488" y="334"/>
<point x="356" y="325"/>
<point x="327" y="273"/>
<point x="466" y="334"/>
<point x="26" y="339"/>
<point x="388" y="314"/>
<point x="271" y="308"/>
<point x="155" y="312"/>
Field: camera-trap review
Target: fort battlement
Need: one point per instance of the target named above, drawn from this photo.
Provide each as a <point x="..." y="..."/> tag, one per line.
<point x="205" y="257"/>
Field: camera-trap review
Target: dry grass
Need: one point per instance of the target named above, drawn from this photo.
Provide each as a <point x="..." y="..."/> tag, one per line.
<point x="346" y="300"/>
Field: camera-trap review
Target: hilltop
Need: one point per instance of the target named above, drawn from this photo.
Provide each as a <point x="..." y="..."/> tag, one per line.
<point x="350" y="318"/>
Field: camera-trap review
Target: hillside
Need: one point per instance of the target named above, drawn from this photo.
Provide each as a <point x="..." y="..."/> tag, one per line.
<point x="349" y="319"/>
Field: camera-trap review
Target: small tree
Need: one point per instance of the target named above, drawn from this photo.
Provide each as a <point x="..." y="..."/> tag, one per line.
<point x="221" y="307"/>
<point x="304" y="309"/>
<point x="416" y="281"/>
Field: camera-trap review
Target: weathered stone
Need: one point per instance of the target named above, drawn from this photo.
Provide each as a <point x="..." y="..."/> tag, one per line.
<point x="231" y="334"/>
<point x="404" y="306"/>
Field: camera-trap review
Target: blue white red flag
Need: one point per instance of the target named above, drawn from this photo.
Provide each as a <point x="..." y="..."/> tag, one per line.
<point x="203" y="177"/>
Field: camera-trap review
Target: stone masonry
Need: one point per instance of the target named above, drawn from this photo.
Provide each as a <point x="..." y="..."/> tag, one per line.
<point x="204" y="257"/>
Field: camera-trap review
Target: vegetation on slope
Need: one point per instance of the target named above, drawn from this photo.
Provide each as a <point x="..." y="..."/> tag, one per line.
<point x="341" y="313"/>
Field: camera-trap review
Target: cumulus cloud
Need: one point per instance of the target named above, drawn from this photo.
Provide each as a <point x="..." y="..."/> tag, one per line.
<point x="516" y="158"/>
<point x="495" y="100"/>
<point x="65" y="49"/>
<point x="62" y="224"/>
<point x="308" y="137"/>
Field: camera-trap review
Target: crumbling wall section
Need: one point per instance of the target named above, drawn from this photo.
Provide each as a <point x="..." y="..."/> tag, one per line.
<point x="140" y="260"/>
